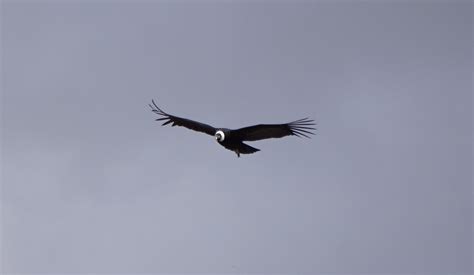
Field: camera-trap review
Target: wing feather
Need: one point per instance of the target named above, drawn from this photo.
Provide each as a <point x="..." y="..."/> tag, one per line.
<point x="300" y="128"/>
<point x="179" y="121"/>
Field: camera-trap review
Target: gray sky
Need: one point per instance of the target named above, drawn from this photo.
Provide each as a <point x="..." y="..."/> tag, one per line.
<point x="92" y="184"/>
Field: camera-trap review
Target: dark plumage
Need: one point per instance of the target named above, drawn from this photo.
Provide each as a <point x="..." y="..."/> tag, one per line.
<point x="233" y="139"/>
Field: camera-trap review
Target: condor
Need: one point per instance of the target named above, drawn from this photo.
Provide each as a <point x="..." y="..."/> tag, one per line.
<point x="234" y="139"/>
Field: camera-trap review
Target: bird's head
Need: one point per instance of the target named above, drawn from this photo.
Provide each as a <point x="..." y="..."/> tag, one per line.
<point x="220" y="136"/>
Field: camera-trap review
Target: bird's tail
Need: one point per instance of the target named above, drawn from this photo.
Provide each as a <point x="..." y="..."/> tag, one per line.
<point x="247" y="149"/>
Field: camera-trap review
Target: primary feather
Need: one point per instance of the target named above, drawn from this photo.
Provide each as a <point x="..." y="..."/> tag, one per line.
<point x="300" y="128"/>
<point x="179" y="121"/>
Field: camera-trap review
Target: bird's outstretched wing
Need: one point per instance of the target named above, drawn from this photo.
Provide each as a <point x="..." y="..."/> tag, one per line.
<point x="300" y="128"/>
<point x="178" y="121"/>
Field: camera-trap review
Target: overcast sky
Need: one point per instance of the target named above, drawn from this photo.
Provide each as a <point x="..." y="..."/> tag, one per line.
<point x="91" y="183"/>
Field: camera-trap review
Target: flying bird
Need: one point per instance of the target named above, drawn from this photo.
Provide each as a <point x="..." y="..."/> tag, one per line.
<point x="234" y="139"/>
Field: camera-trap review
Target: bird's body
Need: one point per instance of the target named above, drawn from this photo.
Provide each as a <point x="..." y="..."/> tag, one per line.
<point x="233" y="143"/>
<point x="234" y="139"/>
